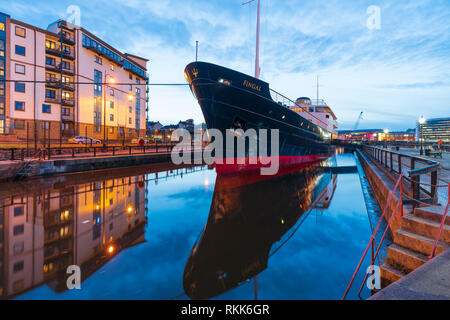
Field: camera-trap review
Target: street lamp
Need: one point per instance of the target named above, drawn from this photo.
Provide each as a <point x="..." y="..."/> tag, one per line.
<point x="386" y="131"/>
<point x="111" y="81"/>
<point x="421" y="122"/>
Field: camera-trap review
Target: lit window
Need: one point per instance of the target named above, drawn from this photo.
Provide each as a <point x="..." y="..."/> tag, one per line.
<point x="2" y="26"/>
<point x="111" y="117"/>
<point x="21" y="32"/>
<point x="112" y="67"/>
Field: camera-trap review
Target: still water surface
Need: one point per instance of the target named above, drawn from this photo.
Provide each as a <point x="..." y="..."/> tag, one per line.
<point x="181" y="234"/>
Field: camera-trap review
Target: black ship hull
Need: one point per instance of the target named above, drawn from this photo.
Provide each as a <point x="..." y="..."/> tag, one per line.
<point x="231" y="100"/>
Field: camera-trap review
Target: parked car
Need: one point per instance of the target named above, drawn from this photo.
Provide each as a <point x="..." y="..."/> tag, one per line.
<point x="155" y="140"/>
<point x="136" y="140"/>
<point x="84" y="140"/>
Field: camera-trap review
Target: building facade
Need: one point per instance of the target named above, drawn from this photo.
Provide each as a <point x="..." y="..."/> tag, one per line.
<point x="434" y="130"/>
<point x="63" y="81"/>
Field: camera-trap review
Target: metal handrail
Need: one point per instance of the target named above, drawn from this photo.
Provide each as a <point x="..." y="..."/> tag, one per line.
<point x="444" y="216"/>
<point x="372" y="238"/>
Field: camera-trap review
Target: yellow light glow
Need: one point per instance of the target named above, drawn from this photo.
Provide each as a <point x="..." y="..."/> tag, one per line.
<point x="112" y="80"/>
<point x="130" y="97"/>
<point x="129" y="209"/>
<point x="97" y="207"/>
<point x="111" y="249"/>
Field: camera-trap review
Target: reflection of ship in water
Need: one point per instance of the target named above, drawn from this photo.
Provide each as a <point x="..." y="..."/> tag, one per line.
<point x="85" y="219"/>
<point x="247" y="223"/>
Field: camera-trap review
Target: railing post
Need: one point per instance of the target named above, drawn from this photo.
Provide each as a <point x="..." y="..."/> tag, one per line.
<point x="399" y="164"/>
<point x="433" y="186"/>
<point x="73" y="152"/>
<point x="129" y="147"/>
<point x="391" y="157"/>
<point x="114" y="150"/>
<point x="95" y="151"/>
<point x="385" y="158"/>
<point x="49" y="153"/>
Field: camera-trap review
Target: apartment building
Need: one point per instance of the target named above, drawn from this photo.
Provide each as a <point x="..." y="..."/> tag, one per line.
<point x="64" y="81"/>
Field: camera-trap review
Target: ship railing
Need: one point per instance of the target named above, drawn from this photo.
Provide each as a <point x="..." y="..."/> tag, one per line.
<point x="288" y="103"/>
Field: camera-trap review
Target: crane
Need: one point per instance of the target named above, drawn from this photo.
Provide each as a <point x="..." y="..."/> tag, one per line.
<point x="358" y="121"/>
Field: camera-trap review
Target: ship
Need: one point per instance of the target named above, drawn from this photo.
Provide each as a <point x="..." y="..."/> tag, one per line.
<point x="251" y="217"/>
<point x="231" y="101"/>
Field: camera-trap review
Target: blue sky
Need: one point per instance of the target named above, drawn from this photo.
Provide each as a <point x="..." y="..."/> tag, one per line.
<point x="393" y="74"/>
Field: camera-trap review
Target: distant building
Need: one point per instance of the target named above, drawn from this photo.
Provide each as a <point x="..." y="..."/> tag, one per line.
<point x="188" y="125"/>
<point x="153" y="127"/>
<point x="434" y="130"/>
<point x="402" y="136"/>
<point x="360" y="135"/>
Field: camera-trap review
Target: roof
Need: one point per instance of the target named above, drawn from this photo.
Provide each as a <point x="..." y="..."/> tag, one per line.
<point x="360" y="131"/>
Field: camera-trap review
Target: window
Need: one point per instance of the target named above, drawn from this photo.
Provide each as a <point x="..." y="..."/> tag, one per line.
<point x="111" y="92"/>
<point x="18" y="266"/>
<point x="98" y="59"/>
<point x="111" y="130"/>
<point x="65" y="111"/>
<point x="50" y="93"/>
<point x="18" y="229"/>
<point x="19" y="124"/>
<point x="21" y="32"/>
<point x="18" y="211"/>
<point x="19" y="106"/>
<point x="129" y="120"/>
<point x="50" y="61"/>
<point x="18" y="248"/>
<point x="131" y="76"/>
<point x="50" y="45"/>
<point x="20" y="50"/>
<point x="2" y="48"/>
<point x="112" y="67"/>
<point x="45" y="125"/>
<point x="130" y="109"/>
<point x="130" y="87"/>
<point x="46" y="108"/>
<point x="2" y="26"/>
<point x="65" y="65"/>
<point x="20" y="68"/>
<point x="19" y="87"/>
<point x="111" y="117"/>
<point x="111" y="104"/>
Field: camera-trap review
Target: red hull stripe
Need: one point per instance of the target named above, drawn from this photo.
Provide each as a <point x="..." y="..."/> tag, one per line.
<point x="253" y="163"/>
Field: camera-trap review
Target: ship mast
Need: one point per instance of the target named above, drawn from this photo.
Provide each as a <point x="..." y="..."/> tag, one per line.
<point x="258" y="24"/>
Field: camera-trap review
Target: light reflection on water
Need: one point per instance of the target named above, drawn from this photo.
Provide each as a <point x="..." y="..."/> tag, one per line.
<point x="255" y="235"/>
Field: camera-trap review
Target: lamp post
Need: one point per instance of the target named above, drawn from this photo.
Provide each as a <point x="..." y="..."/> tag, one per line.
<point x="421" y="122"/>
<point x="111" y="81"/>
<point x="386" y="131"/>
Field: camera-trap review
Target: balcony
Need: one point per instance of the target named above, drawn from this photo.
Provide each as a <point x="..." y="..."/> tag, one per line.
<point x="67" y="38"/>
<point x="56" y="51"/>
<point x="58" y="68"/>
<point x="68" y="117"/>
<point x="52" y="100"/>
<point x="68" y="101"/>
<point x="55" y="82"/>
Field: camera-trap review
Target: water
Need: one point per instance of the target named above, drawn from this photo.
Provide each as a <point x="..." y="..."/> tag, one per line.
<point x="300" y="234"/>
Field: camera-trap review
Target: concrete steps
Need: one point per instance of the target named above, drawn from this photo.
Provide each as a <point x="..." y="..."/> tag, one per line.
<point x="413" y="243"/>
<point x="434" y="213"/>
<point x="418" y="243"/>
<point x="425" y="227"/>
<point x="389" y="274"/>
<point x="405" y="258"/>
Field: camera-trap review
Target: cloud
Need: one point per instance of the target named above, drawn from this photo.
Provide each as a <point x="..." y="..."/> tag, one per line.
<point x="402" y="67"/>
